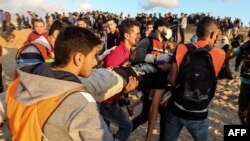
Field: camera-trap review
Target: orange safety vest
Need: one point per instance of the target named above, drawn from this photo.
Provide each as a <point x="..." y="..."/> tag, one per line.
<point x="26" y="122"/>
<point x="47" y="54"/>
<point x="157" y="47"/>
<point x="216" y="55"/>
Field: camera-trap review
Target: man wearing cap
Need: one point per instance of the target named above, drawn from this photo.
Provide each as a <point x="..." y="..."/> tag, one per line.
<point x="152" y="49"/>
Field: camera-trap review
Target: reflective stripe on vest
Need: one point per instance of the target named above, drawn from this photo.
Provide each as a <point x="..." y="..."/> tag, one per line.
<point x="158" y="48"/>
<point x="26" y="121"/>
<point x="47" y="54"/>
<point x="49" y="61"/>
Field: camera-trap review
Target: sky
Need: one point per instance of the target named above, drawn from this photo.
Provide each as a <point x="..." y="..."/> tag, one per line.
<point x="222" y="8"/>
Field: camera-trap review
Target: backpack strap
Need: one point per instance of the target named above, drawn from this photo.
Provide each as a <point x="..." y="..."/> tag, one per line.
<point x="191" y="46"/>
<point x="54" y="103"/>
<point x="25" y="119"/>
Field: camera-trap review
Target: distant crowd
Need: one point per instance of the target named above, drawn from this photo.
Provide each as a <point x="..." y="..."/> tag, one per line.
<point x="97" y="20"/>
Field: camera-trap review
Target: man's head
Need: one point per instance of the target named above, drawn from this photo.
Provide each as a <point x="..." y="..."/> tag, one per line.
<point x="149" y="25"/>
<point x="130" y="32"/>
<point x="149" y="28"/>
<point x="39" y="26"/>
<point x="83" y="22"/>
<point x="76" y="49"/>
<point x="182" y="15"/>
<point x="54" y="30"/>
<point x="161" y="27"/>
<point x="111" y="24"/>
<point x="207" y="29"/>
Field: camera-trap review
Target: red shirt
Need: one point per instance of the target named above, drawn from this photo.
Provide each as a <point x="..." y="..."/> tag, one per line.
<point x="117" y="57"/>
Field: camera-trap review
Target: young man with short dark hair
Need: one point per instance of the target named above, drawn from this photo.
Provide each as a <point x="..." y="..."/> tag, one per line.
<point x="188" y="105"/>
<point x="110" y="110"/>
<point x="58" y="107"/>
<point x="39" y="30"/>
<point x="83" y="22"/>
<point x="113" y="35"/>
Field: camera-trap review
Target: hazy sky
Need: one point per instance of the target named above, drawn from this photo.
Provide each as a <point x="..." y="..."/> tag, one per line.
<point x="222" y="8"/>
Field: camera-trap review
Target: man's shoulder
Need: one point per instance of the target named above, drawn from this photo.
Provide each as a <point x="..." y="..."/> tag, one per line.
<point x="87" y="96"/>
<point x="219" y="51"/>
<point x="145" y="41"/>
<point x="79" y="98"/>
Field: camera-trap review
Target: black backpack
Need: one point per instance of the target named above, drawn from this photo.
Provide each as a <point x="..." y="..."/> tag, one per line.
<point x="196" y="80"/>
<point x="245" y="51"/>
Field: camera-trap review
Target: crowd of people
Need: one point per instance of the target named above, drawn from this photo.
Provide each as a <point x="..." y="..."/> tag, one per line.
<point x="75" y="73"/>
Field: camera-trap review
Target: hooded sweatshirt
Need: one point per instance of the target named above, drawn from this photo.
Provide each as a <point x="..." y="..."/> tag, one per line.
<point x="76" y="118"/>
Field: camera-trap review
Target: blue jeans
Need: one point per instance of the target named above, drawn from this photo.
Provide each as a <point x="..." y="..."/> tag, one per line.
<point x="113" y="113"/>
<point x="173" y="125"/>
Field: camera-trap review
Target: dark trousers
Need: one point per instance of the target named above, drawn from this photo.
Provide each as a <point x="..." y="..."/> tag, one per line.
<point x="113" y="113"/>
<point x="143" y="116"/>
<point x="175" y="34"/>
<point x="182" y="35"/>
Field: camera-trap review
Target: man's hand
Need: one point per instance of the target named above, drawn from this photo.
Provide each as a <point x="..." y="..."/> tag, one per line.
<point x="132" y="84"/>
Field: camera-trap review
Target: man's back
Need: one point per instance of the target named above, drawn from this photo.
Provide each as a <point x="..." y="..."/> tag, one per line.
<point x="217" y="60"/>
<point x="76" y="117"/>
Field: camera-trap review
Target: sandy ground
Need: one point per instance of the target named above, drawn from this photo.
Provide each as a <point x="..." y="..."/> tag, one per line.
<point x="222" y="110"/>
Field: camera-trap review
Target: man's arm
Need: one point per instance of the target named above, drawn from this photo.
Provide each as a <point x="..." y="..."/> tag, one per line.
<point x="140" y="52"/>
<point x="103" y="84"/>
<point x="173" y="70"/>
